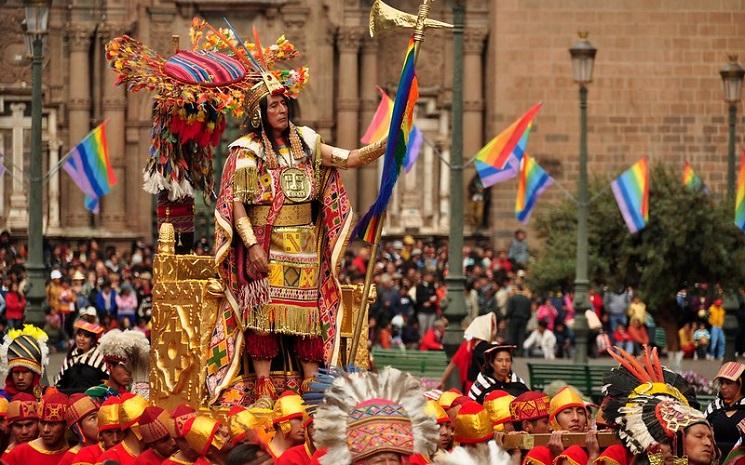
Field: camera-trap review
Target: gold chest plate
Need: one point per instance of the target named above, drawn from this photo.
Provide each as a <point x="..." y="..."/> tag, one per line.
<point x="295" y="184"/>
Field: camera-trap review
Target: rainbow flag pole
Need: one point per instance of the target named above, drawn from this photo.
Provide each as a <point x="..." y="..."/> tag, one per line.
<point x="370" y="226"/>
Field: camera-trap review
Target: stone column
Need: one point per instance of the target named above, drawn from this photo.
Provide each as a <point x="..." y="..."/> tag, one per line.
<point x="18" y="214"/>
<point x="325" y="82"/>
<point x="79" y="115"/>
<point x="347" y="104"/>
<point x="53" y="191"/>
<point x="473" y="94"/>
<point x="369" y="98"/>
<point x="114" y="104"/>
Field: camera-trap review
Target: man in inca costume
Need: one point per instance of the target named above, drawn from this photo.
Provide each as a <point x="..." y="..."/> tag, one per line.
<point x="282" y="220"/>
<point x="282" y="214"/>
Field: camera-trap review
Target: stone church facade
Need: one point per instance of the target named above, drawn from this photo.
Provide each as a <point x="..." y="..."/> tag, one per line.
<point x="657" y="92"/>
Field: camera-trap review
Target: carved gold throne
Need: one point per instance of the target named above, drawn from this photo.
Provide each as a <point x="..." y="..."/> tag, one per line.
<point x="186" y="297"/>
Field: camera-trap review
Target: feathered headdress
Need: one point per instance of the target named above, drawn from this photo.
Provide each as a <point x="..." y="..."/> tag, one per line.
<point x="194" y="89"/>
<point x="648" y="404"/>
<point x="487" y="453"/>
<point x="26" y="347"/>
<point x="366" y="413"/>
<point x="130" y="348"/>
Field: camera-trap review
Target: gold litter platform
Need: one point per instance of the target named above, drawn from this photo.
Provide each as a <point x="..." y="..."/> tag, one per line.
<point x="186" y="297"/>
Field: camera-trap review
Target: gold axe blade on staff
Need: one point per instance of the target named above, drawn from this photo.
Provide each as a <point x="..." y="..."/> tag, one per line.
<point x="382" y="18"/>
<point x="525" y="441"/>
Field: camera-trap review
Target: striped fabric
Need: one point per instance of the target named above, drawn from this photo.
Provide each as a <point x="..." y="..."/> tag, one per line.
<point x="91" y="358"/>
<point x="718" y="404"/>
<point x="204" y="67"/>
<point x="484" y="382"/>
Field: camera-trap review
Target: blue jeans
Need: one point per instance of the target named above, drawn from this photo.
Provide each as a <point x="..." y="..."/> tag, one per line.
<point x="615" y="320"/>
<point x="716" y="347"/>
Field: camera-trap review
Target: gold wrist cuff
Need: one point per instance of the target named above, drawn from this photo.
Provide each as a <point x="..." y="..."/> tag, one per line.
<point x="340" y="157"/>
<point x="372" y="152"/>
<point x="246" y="231"/>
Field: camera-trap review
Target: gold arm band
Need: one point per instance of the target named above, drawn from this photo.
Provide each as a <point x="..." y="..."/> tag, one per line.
<point x="372" y="152"/>
<point x="245" y="230"/>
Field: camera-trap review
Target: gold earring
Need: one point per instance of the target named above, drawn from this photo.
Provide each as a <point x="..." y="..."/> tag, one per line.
<point x="256" y="119"/>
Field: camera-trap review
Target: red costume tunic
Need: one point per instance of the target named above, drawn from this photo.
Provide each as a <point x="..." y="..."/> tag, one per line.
<point x="298" y="455"/>
<point x="70" y="455"/>
<point x="88" y="455"/>
<point x="419" y="459"/>
<point x="149" y="457"/>
<point x="33" y="453"/>
<point x="123" y="453"/>
<point x="177" y="459"/>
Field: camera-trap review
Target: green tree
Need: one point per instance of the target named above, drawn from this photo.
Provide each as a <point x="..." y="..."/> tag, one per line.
<point x="690" y="238"/>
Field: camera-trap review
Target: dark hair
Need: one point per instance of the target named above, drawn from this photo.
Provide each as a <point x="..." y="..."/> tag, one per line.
<point x="244" y="454"/>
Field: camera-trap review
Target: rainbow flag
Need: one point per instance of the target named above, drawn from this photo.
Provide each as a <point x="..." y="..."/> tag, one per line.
<point x="494" y="159"/>
<point x="381" y="121"/>
<point x="532" y="182"/>
<point x="416" y="139"/>
<point x="740" y="195"/>
<point x="380" y="125"/>
<point x="690" y="179"/>
<point x="631" y="190"/>
<point x="89" y="167"/>
<point x="398" y="141"/>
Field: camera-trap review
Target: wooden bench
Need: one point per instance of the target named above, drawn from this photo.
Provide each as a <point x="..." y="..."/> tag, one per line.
<point x="420" y="363"/>
<point x="588" y="379"/>
<point x="704" y="400"/>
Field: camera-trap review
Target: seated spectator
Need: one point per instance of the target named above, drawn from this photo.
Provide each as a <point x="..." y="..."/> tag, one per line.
<point x="432" y="339"/>
<point x="622" y="339"/>
<point x="602" y="343"/>
<point x="547" y="312"/>
<point x="384" y="337"/>
<point x="126" y="304"/>
<point x="397" y="327"/>
<point x="410" y="334"/>
<point x="564" y="340"/>
<point x="638" y="333"/>
<point x="701" y="338"/>
<point x="106" y="301"/>
<point x="541" y="342"/>
<point x="685" y="338"/>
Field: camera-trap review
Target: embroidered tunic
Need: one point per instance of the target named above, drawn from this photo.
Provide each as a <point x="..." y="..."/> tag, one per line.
<point x="282" y="196"/>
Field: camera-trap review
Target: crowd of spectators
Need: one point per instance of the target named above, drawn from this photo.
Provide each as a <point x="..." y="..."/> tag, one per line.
<point x="80" y="274"/>
<point x="410" y="277"/>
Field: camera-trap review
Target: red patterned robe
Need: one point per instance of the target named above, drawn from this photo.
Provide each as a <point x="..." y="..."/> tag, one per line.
<point x="284" y="302"/>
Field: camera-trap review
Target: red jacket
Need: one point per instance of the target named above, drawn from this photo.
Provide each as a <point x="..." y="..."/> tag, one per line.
<point x="15" y="305"/>
<point x="431" y="341"/>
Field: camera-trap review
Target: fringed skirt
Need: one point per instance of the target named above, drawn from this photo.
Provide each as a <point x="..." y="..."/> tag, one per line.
<point x="293" y="284"/>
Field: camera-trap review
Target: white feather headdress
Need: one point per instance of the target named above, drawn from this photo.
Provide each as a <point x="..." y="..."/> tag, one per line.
<point x="128" y="347"/>
<point x="359" y="405"/>
<point x="485" y="453"/>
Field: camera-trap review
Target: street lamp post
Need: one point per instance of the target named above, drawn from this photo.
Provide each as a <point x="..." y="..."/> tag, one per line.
<point x="37" y="18"/>
<point x="455" y="280"/>
<point x="583" y="59"/>
<point x="732" y="74"/>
